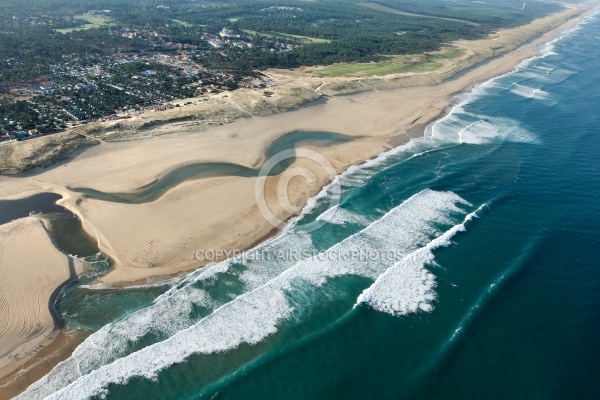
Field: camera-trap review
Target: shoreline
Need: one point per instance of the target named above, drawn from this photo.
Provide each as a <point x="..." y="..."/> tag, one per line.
<point x="56" y="350"/>
<point x="28" y="292"/>
<point x="91" y="212"/>
<point x="72" y="200"/>
<point x="399" y="134"/>
<point x="412" y="131"/>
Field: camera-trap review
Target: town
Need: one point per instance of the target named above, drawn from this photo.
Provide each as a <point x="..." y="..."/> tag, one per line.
<point x="96" y="88"/>
<point x="93" y="61"/>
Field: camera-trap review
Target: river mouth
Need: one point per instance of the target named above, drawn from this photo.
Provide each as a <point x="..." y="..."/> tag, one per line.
<point x="78" y="304"/>
<point x="11" y="210"/>
<point x="156" y="189"/>
<point x="65" y="227"/>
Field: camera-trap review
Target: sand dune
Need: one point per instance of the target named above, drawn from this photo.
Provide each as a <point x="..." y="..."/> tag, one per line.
<point x="31" y="269"/>
<point x="161" y="237"/>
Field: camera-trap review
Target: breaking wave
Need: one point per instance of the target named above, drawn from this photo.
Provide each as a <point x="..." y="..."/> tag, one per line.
<point x="340" y="216"/>
<point x="249" y="317"/>
<point x="407" y="287"/>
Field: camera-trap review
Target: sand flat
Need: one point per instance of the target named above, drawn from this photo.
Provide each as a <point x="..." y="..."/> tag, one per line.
<point x="31" y="269"/>
<point x="161" y="237"/>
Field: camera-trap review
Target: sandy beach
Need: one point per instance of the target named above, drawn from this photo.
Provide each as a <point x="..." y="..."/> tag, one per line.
<point x="162" y="237"/>
<point x="31" y="270"/>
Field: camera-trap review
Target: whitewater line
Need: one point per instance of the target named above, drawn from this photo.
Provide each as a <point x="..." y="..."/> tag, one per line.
<point x="460" y="137"/>
<point x="383" y="294"/>
<point x="253" y="316"/>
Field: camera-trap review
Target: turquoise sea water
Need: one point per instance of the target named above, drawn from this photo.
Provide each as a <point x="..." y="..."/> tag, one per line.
<point x="462" y="265"/>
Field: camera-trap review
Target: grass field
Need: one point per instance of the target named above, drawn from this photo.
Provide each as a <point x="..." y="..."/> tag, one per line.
<point x="93" y="22"/>
<point x="392" y="65"/>
<point x="379" y="7"/>
<point x="305" y="39"/>
<point x="182" y="23"/>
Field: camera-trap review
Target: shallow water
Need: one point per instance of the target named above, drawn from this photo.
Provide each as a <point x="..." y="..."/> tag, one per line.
<point x="461" y="265"/>
<point x="154" y="190"/>
<point x="11" y="210"/>
<point x="65" y="227"/>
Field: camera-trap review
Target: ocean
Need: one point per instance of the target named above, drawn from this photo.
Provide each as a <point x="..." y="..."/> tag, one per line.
<point x="465" y="264"/>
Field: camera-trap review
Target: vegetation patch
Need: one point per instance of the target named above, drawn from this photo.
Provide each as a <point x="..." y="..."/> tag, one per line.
<point x="379" y="7"/>
<point x="20" y="156"/>
<point x="93" y="22"/>
<point x="182" y="23"/>
<point x="304" y="39"/>
<point x="391" y="65"/>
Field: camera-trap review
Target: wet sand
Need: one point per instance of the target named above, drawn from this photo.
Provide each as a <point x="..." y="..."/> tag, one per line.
<point x="161" y="237"/>
<point x="32" y="270"/>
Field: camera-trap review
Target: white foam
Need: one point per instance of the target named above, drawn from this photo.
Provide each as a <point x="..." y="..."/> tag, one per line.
<point x="254" y="315"/>
<point x="249" y="319"/>
<point x="357" y="175"/>
<point x="169" y="314"/>
<point x="157" y="283"/>
<point x="455" y="121"/>
<point x="463" y="127"/>
<point x="543" y="75"/>
<point x="529" y="92"/>
<point x="179" y="291"/>
<point x="450" y="122"/>
<point x="495" y="129"/>
<point x="160" y="318"/>
<point x="409" y="289"/>
<point x="98" y="286"/>
<point x="280" y="255"/>
<point x="398" y="232"/>
<point x="544" y="68"/>
<point x="340" y="216"/>
<point x="408" y="286"/>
